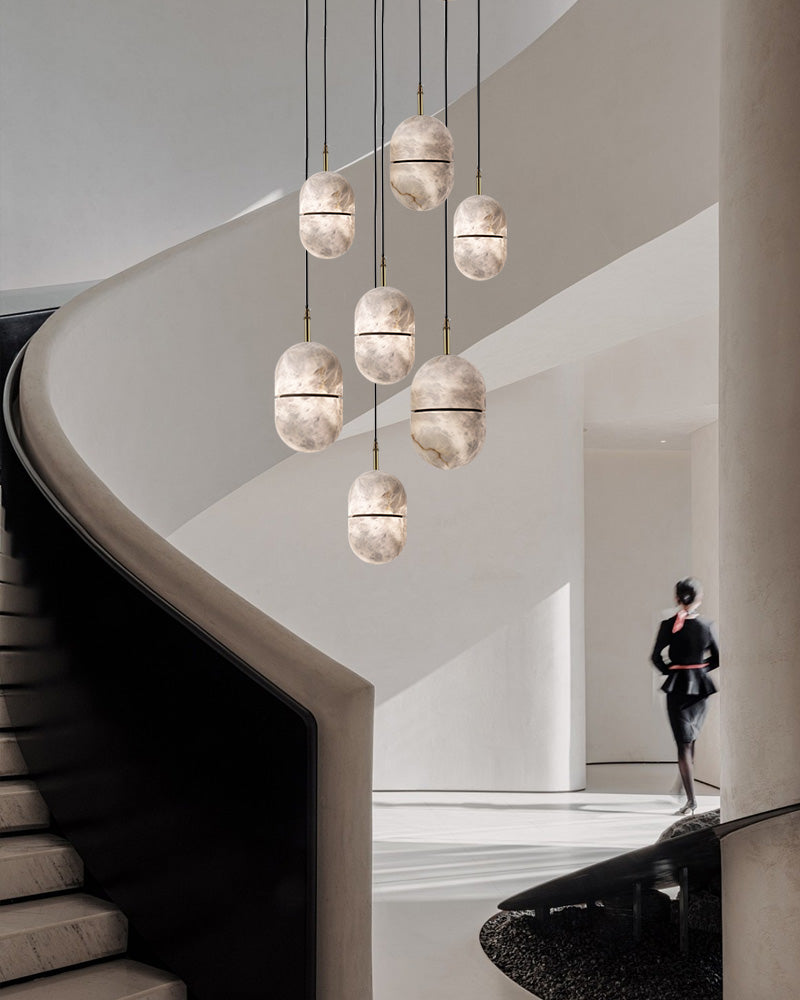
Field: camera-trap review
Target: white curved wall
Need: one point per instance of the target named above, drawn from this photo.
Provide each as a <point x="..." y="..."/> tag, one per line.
<point x="128" y="127"/>
<point x="476" y="631"/>
<point x="638" y="544"/>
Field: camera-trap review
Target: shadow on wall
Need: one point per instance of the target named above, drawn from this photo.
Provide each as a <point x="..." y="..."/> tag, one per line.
<point x="489" y="546"/>
<point x="508" y="721"/>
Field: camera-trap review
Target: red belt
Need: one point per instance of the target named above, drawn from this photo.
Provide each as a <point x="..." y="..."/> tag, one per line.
<point x="687" y="666"/>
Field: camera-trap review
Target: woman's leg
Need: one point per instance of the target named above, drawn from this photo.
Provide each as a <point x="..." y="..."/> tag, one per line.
<point x="685" y="766"/>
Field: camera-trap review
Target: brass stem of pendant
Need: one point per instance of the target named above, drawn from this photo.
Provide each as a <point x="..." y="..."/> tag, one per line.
<point x="307" y="323"/>
<point x="325" y="157"/>
<point x="479" y="181"/>
<point x="446" y="333"/>
<point x="419" y="99"/>
<point x="383" y="272"/>
<point x="375" y="460"/>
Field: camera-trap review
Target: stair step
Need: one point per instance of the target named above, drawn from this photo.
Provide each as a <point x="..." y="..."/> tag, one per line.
<point x="29" y="666"/>
<point x="6" y="542"/>
<point x="11" y="570"/>
<point x="21" y="807"/>
<point x="16" y="630"/>
<point x="34" y="864"/>
<point x="15" y="709"/>
<point x="118" y="980"/>
<point x="18" y="600"/>
<point x="43" y="935"/>
<point x="5" y="709"/>
<point x="12" y="764"/>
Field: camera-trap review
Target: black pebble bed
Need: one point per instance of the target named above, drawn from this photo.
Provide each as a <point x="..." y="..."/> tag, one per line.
<point x="573" y="959"/>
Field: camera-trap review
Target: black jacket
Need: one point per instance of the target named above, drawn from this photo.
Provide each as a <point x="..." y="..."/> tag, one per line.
<point x="694" y="643"/>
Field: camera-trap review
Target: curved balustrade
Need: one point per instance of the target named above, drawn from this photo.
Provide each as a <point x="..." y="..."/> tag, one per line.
<point x="212" y="770"/>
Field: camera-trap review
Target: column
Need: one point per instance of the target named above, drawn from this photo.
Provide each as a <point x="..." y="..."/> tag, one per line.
<point x="760" y="490"/>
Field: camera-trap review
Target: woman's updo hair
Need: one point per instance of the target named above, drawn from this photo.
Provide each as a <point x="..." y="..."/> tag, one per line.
<point x="688" y="591"/>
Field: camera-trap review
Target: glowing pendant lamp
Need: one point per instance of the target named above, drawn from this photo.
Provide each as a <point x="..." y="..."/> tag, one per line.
<point x="421" y="167"/>
<point x="327" y="203"/>
<point x="384" y="324"/>
<point x="480" y="230"/>
<point x="448" y="394"/>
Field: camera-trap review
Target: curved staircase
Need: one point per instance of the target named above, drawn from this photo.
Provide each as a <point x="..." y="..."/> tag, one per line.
<point x="56" y="941"/>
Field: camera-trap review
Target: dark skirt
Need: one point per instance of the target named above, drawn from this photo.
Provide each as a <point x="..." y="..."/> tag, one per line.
<point x="686" y="712"/>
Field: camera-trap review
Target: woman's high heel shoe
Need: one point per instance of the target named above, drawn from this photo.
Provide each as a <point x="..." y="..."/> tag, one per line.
<point x="690" y="807"/>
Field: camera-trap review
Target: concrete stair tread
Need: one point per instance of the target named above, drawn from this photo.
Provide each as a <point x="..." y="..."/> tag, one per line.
<point x="17" y="709"/>
<point x="12" y="764"/>
<point x="43" y="935"/>
<point x="5" y="718"/>
<point x="11" y="570"/>
<point x="21" y="807"/>
<point x="25" y="630"/>
<point x="33" y="864"/>
<point x="29" y="666"/>
<point x="18" y="600"/>
<point x="118" y="980"/>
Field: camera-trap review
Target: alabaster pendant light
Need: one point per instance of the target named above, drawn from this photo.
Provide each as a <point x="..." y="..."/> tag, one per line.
<point x="308" y="376"/>
<point x="376" y="503"/>
<point x="421" y="167"/>
<point x="480" y="230"/>
<point x="384" y="318"/>
<point x="448" y="411"/>
<point x="376" y="517"/>
<point x="327" y="203"/>
<point x="327" y="214"/>
<point x="384" y="335"/>
<point x="308" y="397"/>
<point x="448" y="394"/>
<point x="480" y="237"/>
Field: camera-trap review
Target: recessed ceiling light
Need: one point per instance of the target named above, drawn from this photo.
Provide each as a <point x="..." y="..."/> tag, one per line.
<point x="663" y="441"/>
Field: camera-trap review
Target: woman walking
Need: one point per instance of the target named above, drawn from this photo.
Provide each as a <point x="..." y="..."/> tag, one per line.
<point x="686" y="650"/>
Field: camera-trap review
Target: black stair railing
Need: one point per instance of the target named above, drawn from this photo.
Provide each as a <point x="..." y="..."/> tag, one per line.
<point x="185" y="780"/>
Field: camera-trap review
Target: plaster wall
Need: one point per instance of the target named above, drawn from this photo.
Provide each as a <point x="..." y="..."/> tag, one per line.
<point x="705" y="566"/>
<point x="473" y="637"/>
<point x="638" y="543"/>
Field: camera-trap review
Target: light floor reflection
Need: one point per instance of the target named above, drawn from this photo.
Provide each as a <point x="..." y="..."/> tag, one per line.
<point x="442" y="861"/>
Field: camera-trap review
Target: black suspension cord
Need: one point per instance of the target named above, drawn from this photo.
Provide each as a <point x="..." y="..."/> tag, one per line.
<point x="325" y="80"/>
<point x="419" y="21"/>
<point x="383" y="137"/>
<point x="306" y="165"/>
<point x="478" y="91"/>
<point x="375" y="141"/>
<point x="446" y="245"/>
<point x="375" y="193"/>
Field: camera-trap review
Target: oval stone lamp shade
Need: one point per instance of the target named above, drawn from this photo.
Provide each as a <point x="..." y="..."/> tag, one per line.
<point x="384" y="335"/>
<point x="421" y="168"/>
<point x="308" y="397"/>
<point x="480" y="237"/>
<point x="448" y="411"/>
<point x="376" y="517"/>
<point x="327" y="215"/>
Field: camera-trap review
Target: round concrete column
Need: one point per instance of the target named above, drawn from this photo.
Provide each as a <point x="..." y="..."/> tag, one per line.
<point x="760" y="490"/>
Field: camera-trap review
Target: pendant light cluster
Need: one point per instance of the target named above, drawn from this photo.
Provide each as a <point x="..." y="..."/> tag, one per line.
<point x="448" y="394"/>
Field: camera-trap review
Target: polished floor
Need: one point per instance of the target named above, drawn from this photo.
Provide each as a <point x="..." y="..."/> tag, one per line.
<point x="443" y="860"/>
